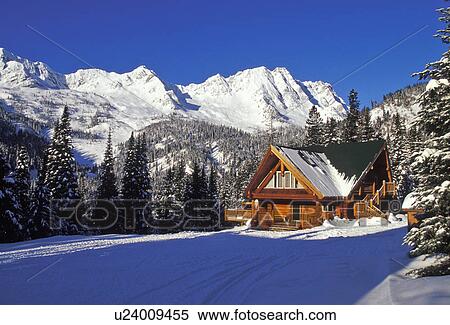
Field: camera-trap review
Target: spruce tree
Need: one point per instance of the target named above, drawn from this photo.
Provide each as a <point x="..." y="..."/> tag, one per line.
<point x="143" y="183"/>
<point x="167" y="189"/>
<point x="432" y="163"/>
<point x="314" y="128"/>
<point x="365" y="128"/>
<point x="61" y="178"/>
<point x="22" y="187"/>
<point x="213" y="193"/>
<point x="331" y="132"/>
<point x="397" y="147"/>
<point x="136" y="179"/>
<point x="197" y="191"/>
<point x="41" y="212"/>
<point x="107" y="188"/>
<point x="10" y="215"/>
<point x="143" y="179"/>
<point x="213" y="196"/>
<point x="179" y="181"/>
<point x="129" y="189"/>
<point x="351" y="121"/>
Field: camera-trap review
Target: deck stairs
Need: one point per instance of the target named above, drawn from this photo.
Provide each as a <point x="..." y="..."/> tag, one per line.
<point x="369" y="206"/>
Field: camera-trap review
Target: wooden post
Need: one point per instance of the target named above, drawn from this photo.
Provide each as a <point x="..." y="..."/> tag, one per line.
<point x="384" y="188"/>
<point x="373" y="188"/>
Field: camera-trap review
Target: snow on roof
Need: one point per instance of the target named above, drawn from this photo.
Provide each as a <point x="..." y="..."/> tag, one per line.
<point x="318" y="169"/>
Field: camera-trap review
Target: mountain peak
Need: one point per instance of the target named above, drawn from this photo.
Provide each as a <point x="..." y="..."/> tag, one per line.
<point x="17" y="71"/>
<point x="281" y="70"/>
<point x="142" y="72"/>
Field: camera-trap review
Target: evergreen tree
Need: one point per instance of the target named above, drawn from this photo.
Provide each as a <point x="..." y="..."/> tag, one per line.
<point x="331" y="132"/>
<point x="167" y="189"/>
<point x="432" y="164"/>
<point x="61" y="178"/>
<point x="213" y="196"/>
<point x="179" y="181"/>
<point x="314" y="128"/>
<point x="41" y="212"/>
<point x="136" y="179"/>
<point x="196" y="185"/>
<point x="107" y="188"/>
<point x="351" y="121"/>
<point x="129" y="189"/>
<point x="365" y="128"/>
<point x="143" y="179"/>
<point x="143" y="183"/>
<point x="10" y="214"/>
<point x="213" y="192"/>
<point x="397" y="147"/>
<point x="197" y="191"/>
<point x="22" y="187"/>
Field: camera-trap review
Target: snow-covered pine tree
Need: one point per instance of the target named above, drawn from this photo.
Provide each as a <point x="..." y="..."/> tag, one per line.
<point x="365" y="128"/>
<point x="107" y="188"/>
<point x="41" y="212"/>
<point x="61" y="178"/>
<point x="406" y="182"/>
<point x="22" y="188"/>
<point x="143" y="180"/>
<point x="167" y="191"/>
<point x="129" y="189"/>
<point x="179" y="181"/>
<point x="143" y="183"/>
<point x="10" y="214"/>
<point x="213" y="195"/>
<point x="196" y="188"/>
<point x="314" y="128"/>
<point x="331" y="132"/>
<point x="432" y="163"/>
<point x="350" y="133"/>
<point x="397" y="146"/>
<point x="166" y="194"/>
<point x="227" y="188"/>
<point x="213" y="192"/>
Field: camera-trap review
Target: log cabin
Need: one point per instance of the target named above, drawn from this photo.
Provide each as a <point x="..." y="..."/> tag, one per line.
<point x="298" y="188"/>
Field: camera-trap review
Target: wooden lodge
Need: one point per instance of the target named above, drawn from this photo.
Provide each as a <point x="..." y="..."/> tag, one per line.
<point x="297" y="188"/>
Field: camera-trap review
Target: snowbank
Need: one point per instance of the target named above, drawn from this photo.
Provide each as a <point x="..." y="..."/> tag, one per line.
<point x="409" y="201"/>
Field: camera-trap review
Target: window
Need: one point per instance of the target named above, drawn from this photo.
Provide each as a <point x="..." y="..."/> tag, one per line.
<point x="271" y="183"/>
<point x="279" y="180"/>
<point x="287" y="179"/>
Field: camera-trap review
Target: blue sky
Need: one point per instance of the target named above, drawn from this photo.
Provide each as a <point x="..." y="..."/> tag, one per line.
<point x="187" y="41"/>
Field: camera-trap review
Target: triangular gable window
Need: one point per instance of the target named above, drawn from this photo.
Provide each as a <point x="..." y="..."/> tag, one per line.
<point x="286" y="181"/>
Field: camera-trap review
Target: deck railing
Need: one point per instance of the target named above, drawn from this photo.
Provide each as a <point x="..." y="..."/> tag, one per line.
<point x="238" y="215"/>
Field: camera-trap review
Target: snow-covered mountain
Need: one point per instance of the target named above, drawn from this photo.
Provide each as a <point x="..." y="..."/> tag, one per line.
<point x="247" y="97"/>
<point x="404" y="102"/>
<point x="18" y="72"/>
<point x="130" y="101"/>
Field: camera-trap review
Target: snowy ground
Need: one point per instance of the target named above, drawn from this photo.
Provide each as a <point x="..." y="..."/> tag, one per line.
<point x="332" y="264"/>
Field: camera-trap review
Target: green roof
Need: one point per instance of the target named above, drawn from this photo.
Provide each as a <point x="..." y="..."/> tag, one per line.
<point x="351" y="158"/>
